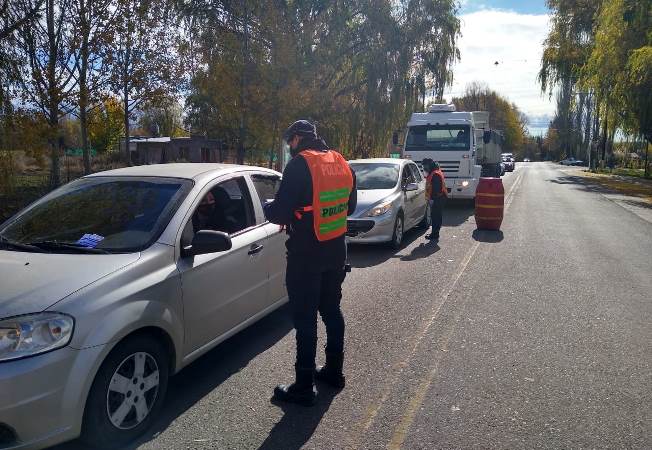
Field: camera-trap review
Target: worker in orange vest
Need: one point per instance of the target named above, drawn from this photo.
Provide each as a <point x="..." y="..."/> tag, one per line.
<point x="436" y="195"/>
<point x="316" y="195"/>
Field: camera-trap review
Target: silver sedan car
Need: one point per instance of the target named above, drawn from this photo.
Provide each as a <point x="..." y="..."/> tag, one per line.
<point x="118" y="280"/>
<point x="391" y="201"/>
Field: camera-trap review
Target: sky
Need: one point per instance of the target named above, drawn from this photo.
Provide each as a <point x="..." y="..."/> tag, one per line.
<point x="511" y="33"/>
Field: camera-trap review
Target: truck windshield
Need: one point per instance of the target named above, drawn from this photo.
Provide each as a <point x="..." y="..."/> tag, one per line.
<point x="438" y="137"/>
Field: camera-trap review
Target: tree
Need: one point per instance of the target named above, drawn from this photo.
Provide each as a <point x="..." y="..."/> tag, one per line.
<point x="162" y="118"/>
<point x="46" y="78"/>
<point x="503" y="115"/>
<point x="356" y="68"/>
<point x="143" y="58"/>
<point x="105" y="125"/>
<point x="566" y="50"/>
<point x="94" y="20"/>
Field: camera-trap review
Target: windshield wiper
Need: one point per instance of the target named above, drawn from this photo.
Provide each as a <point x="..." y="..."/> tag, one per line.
<point x="56" y="245"/>
<point x="8" y="243"/>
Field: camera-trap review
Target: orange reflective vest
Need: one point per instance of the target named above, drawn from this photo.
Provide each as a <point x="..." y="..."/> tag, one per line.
<point x="442" y="191"/>
<point x="332" y="183"/>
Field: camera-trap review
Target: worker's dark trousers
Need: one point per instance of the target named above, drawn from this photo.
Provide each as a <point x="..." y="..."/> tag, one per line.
<point x="310" y="292"/>
<point x="436" y="214"/>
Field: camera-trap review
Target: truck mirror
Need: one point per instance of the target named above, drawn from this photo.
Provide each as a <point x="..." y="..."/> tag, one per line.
<point x="395" y="138"/>
<point x="486" y="137"/>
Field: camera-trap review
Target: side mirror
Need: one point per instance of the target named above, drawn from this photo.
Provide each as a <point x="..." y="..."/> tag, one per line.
<point x="486" y="137"/>
<point x="395" y="138"/>
<point x="208" y="241"/>
<point x="411" y="187"/>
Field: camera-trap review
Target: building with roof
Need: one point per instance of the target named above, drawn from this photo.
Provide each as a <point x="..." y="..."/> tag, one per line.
<point x="161" y="150"/>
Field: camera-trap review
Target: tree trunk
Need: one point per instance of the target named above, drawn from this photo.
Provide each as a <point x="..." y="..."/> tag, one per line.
<point x="243" y="87"/>
<point x="53" y="97"/>
<point x="83" y="86"/>
<point x="125" y="96"/>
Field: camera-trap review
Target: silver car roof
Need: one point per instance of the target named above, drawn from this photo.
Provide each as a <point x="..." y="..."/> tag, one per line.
<point x="191" y="171"/>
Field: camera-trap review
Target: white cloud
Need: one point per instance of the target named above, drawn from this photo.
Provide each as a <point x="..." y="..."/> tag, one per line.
<point x="513" y="40"/>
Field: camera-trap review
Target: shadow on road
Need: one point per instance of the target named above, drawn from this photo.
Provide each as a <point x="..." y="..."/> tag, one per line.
<point x="582" y="183"/>
<point x="362" y="256"/>
<point x="298" y="423"/>
<point x="423" y="250"/>
<point x="457" y="212"/>
<point x="489" y="236"/>
<point x="201" y="377"/>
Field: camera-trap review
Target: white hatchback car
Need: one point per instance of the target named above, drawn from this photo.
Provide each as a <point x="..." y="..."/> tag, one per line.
<point x="114" y="282"/>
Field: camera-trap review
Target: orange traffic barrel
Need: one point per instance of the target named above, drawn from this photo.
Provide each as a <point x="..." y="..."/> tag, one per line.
<point x="489" y="203"/>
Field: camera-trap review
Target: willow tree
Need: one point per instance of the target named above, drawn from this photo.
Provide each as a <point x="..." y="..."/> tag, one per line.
<point x="566" y="51"/>
<point x="352" y="67"/>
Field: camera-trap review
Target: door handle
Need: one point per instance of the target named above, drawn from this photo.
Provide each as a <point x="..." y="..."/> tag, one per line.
<point x="255" y="248"/>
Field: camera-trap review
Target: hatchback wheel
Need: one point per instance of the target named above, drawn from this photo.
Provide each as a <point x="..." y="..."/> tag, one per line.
<point x="127" y="393"/>
<point x="397" y="238"/>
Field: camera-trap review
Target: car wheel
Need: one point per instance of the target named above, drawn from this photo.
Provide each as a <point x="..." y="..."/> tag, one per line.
<point x="426" y="222"/>
<point x="399" y="230"/>
<point x="127" y="393"/>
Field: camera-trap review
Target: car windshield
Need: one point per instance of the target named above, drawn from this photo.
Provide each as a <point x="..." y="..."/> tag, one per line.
<point x="100" y="214"/>
<point x="438" y="137"/>
<point x="371" y="176"/>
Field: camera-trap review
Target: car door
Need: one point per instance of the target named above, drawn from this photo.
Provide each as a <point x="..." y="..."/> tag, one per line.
<point x="409" y="197"/>
<point x="266" y="185"/>
<point x="221" y="290"/>
<point x="420" y="199"/>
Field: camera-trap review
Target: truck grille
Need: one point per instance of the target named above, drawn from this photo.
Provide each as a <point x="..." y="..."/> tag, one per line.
<point x="449" y="166"/>
<point x="446" y="166"/>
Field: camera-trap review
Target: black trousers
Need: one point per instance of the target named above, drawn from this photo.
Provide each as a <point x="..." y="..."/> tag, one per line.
<point x="436" y="214"/>
<point x="312" y="292"/>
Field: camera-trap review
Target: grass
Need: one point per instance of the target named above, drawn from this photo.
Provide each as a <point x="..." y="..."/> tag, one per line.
<point x="638" y="173"/>
<point x="632" y="187"/>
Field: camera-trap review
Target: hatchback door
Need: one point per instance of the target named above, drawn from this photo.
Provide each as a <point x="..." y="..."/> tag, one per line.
<point x="420" y="201"/>
<point x="221" y="290"/>
<point x="266" y="185"/>
<point x="409" y="197"/>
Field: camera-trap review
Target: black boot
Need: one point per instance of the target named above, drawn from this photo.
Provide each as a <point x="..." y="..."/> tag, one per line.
<point x="331" y="373"/>
<point x="302" y="391"/>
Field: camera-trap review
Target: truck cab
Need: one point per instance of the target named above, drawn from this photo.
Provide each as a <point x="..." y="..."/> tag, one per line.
<point x="456" y="141"/>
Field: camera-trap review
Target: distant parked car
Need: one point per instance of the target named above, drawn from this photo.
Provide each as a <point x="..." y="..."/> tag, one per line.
<point x="526" y="159"/>
<point x="571" y="162"/>
<point x="508" y="161"/>
<point x="391" y="200"/>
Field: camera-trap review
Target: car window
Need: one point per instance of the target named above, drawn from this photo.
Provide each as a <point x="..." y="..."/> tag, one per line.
<point x="114" y="214"/>
<point x="226" y="207"/>
<point x="266" y="186"/>
<point x="406" y="176"/>
<point x="416" y="173"/>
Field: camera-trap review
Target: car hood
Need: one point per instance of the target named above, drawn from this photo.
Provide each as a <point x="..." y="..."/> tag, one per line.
<point x="31" y="282"/>
<point x="369" y="198"/>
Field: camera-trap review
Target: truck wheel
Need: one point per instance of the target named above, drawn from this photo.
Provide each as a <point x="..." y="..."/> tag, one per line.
<point x="397" y="237"/>
<point x="127" y="393"/>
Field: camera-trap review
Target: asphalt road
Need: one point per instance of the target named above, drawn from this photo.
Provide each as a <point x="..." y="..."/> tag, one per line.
<point x="539" y="336"/>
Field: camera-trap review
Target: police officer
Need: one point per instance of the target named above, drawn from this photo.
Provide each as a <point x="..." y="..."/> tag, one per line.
<point x="436" y="194"/>
<point x="316" y="194"/>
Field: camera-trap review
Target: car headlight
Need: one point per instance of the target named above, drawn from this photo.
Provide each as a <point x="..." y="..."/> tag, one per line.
<point x="380" y="209"/>
<point x="33" y="334"/>
<point x="465" y="183"/>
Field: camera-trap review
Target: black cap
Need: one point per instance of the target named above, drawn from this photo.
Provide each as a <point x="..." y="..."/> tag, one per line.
<point x="301" y="128"/>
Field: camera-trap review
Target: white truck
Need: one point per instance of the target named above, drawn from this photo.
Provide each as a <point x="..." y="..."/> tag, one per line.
<point x="461" y="142"/>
